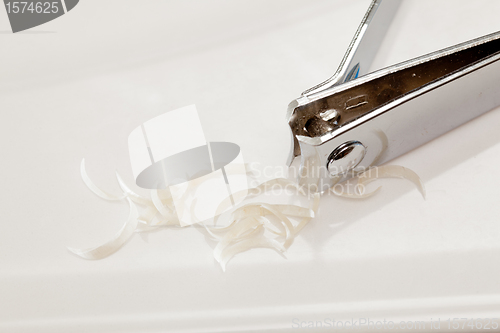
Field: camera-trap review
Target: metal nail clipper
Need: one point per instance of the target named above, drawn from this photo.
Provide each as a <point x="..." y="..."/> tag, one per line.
<point x="357" y="119"/>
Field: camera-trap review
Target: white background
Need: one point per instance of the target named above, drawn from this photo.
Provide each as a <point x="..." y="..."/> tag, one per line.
<point x="75" y="87"/>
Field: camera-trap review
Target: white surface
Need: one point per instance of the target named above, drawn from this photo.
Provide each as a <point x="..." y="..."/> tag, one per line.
<point x="77" y="86"/>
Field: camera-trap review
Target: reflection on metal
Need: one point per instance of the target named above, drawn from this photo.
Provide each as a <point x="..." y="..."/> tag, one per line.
<point x="364" y="45"/>
<point x="345" y="157"/>
<point x="395" y="109"/>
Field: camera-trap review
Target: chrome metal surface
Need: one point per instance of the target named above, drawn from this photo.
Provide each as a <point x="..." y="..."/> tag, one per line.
<point x="331" y="115"/>
<point x="398" y="108"/>
<point x="345" y="157"/>
<point x="359" y="55"/>
<point x="364" y="45"/>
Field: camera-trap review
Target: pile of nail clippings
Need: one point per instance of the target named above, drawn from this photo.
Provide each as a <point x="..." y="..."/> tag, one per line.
<point x="251" y="224"/>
